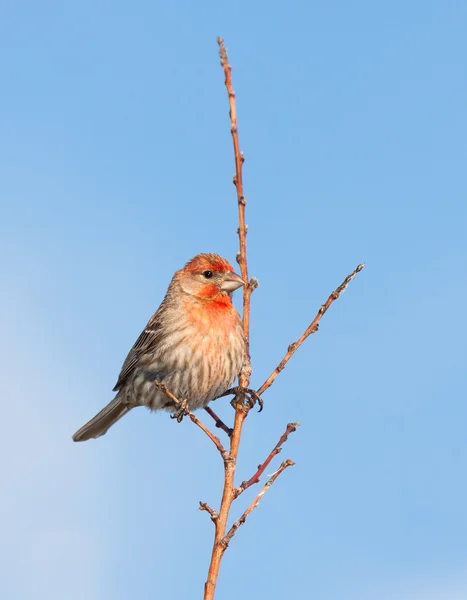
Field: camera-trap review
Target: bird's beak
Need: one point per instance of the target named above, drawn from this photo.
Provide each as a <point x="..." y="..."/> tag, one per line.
<point x="231" y="282"/>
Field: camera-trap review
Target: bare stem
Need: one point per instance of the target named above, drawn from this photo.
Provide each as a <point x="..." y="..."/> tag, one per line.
<point x="238" y="182"/>
<point x="241" y="409"/>
<point x="232" y="531"/>
<point x="218" y="421"/>
<point x="291" y="427"/>
<point x="223" y="535"/>
<point x="312" y="328"/>
<point x="205" y="506"/>
<point x="179" y="403"/>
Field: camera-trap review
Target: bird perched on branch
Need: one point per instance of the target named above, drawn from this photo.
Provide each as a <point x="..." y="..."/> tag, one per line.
<point x="193" y="344"/>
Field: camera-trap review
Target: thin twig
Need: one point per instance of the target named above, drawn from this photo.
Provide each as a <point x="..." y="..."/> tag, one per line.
<point x="205" y="506"/>
<point x="218" y="421"/>
<point x="312" y="328"/>
<point x="291" y="427"/>
<point x="238" y="182"/>
<point x="232" y="531"/>
<point x="178" y="403"/>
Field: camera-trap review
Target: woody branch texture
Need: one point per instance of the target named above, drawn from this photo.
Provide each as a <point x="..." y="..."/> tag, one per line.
<point x="244" y="398"/>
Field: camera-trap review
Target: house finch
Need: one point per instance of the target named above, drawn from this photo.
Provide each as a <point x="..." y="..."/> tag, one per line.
<point x="194" y="344"/>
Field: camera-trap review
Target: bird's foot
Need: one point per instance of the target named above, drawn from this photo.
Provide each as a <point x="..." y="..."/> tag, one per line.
<point x="250" y="395"/>
<point x="182" y="410"/>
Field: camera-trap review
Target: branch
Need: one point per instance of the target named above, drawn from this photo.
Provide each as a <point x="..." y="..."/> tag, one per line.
<point x="291" y="427"/>
<point x="238" y="182"/>
<point x="180" y="404"/>
<point x="218" y="421"/>
<point x="241" y="408"/>
<point x="312" y="328"/>
<point x="205" y="506"/>
<point x="232" y="531"/>
<point x="241" y="402"/>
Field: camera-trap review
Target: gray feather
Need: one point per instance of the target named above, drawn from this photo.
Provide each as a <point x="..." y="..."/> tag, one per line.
<point x="99" y="424"/>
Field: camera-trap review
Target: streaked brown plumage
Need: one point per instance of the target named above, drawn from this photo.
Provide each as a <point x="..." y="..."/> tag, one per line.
<point x="194" y="344"/>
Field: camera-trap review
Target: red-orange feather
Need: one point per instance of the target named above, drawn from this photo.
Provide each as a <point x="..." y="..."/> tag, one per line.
<point x="212" y="262"/>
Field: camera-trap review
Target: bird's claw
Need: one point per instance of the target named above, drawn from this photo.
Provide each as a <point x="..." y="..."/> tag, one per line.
<point x="251" y="396"/>
<point x="255" y="398"/>
<point x="182" y="410"/>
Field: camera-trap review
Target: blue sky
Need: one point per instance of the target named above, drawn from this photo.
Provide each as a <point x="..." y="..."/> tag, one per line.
<point x="115" y="168"/>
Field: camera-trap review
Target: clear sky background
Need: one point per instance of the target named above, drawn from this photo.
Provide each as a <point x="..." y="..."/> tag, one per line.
<point x="115" y="168"/>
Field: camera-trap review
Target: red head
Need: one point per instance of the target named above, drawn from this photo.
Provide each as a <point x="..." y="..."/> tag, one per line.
<point x="209" y="278"/>
<point x="212" y="262"/>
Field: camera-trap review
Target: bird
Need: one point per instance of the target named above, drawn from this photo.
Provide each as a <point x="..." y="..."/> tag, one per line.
<point x="193" y="344"/>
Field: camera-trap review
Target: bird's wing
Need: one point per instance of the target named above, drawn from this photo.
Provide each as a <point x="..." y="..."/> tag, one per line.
<point x="146" y="343"/>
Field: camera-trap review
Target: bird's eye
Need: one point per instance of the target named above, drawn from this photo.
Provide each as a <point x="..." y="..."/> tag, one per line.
<point x="208" y="274"/>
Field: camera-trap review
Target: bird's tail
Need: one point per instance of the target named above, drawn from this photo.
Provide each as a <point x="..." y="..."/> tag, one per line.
<point x="99" y="424"/>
